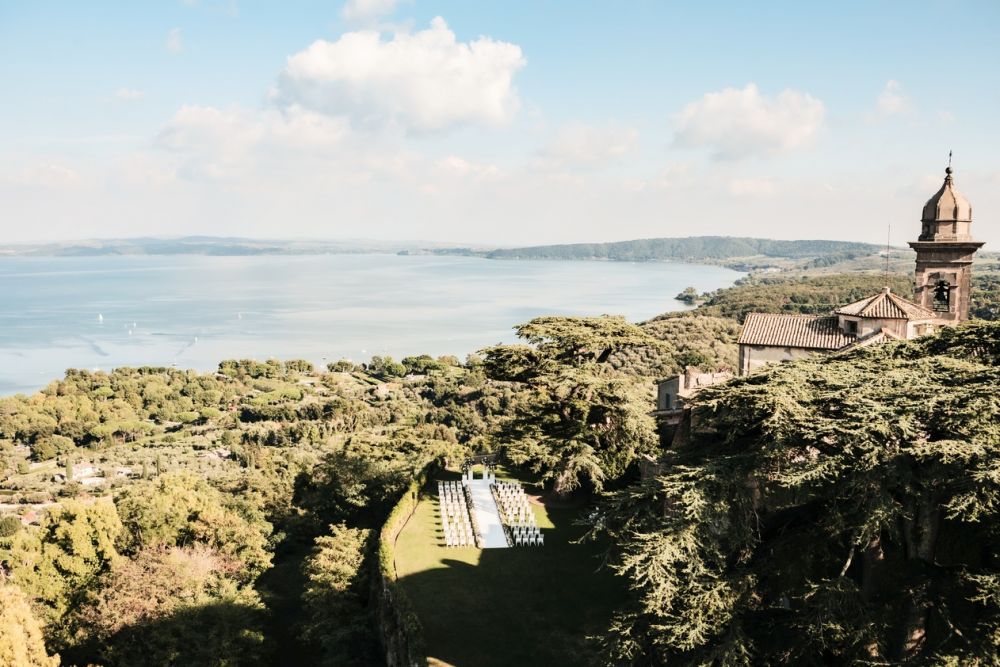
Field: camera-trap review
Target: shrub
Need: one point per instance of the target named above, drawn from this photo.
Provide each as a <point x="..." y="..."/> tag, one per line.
<point x="43" y="450"/>
<point x="9" y="525"/>
<point x="341" y="366"/>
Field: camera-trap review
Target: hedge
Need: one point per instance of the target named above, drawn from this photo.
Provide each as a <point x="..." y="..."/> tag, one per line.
<point x="400" y="629"/>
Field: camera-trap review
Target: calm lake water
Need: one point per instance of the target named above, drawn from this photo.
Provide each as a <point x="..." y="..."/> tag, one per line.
<point x="193" y="311"/>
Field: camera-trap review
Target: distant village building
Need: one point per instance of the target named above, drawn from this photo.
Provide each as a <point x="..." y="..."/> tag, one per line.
<point x="768" y="338"/>
<point x="670" y="393"/>
<point x="943" y="284"/>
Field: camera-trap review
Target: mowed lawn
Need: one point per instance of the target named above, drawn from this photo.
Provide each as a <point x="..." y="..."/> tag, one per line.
<point x="517" y="606"/>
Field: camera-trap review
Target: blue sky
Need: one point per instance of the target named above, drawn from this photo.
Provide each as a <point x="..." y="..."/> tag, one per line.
<point x="514" y="122"/>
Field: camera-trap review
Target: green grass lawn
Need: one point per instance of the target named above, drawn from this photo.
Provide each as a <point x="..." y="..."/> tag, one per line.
<point x="519" y="606"/>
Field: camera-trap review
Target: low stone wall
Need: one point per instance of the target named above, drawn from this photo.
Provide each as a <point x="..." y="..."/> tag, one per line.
<point x="399" y="628"/>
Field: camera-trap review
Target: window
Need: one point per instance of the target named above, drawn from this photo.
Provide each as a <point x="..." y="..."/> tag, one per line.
<point x="942" y="296"/>
<point x="851" y="327"/>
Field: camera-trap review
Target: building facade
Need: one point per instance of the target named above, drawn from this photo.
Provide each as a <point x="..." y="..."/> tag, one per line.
<point x="942" y="288"/>
<point x="944" y="254"/>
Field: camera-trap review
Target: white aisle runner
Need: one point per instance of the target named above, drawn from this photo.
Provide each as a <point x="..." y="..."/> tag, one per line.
<point x="487" y="515"/>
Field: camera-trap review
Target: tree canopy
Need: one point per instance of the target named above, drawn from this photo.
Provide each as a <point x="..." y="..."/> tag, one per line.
<point x="826" y="511"/>
<point x="581" y="421"/>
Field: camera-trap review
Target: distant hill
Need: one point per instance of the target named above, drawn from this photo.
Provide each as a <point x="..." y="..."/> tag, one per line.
<point x="206" y="245"/>
<point x="687" y="248"/>
<point x="737" y="252"/>
<point x="742" y="253"/>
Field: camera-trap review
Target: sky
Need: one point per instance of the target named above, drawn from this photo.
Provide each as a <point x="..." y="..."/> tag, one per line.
<point x="500" y="123"/>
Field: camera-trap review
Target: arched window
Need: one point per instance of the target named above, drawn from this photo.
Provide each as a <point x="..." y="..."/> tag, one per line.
<point x="942" y="296"/>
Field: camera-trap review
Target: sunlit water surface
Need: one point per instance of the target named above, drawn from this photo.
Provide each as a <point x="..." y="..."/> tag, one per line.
<point x="193" y="311"/>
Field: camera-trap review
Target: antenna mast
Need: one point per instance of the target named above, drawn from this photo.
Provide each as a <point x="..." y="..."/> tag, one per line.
<point x="888" y="235"/>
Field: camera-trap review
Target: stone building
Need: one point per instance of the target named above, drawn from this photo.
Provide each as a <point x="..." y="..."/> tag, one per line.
<point x="943" y="284"/>
<point x="943" y="281"/>
<point x="671" y="392"/>
<point x="944" y="254"/>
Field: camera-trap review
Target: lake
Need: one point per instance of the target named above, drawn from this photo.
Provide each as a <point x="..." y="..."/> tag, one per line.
<point x="193" y="311"/>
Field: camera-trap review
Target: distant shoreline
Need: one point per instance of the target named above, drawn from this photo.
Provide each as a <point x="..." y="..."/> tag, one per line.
<point x="745" y="254"/>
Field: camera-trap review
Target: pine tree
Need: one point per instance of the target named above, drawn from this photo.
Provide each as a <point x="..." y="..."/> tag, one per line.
<point x="831" y="511"/>
<point x="584" y="420"/>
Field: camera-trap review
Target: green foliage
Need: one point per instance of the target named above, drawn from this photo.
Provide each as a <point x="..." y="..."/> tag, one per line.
<point x="43" y="450"/>
<point x="683" y="339"/>
<point x="188" y="417"/>
<point x="172" y="605"/>
<point x="58" y="561"/>
<point x="178" y="509"/>
<point x="422" y="365"/>
<point x="298" y="366"/>
<point x="336" y="598"/>
<point x="688" y="295"/>
<point x="209" y="414"/>
<point x="581" y="421"/>
<point x="280" y="395"/>
<point x="829" y="511"/>
<point x="385" y="368"/>
<point x="248" y="368"/>
<point x="9" y="526"/>
<point x="811" y="295"/>
<point x="21" y="641"/>
<point x="985" y="296"/>
<point x="341" y="366"/>
<point x="695" y="248"/>
<point x="397" y="609"/>
<point x="352" y="487"/>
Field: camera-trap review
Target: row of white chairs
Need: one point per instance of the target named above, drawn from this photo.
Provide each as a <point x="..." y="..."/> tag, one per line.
<point x="515" y="507"/>
<point x="529" y="540"/>
<point x="455" y="519"/>
<point x="459" y="540"/>
<point x="517" y="515"/>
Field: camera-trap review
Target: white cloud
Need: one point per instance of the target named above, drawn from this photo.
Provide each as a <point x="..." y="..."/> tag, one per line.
<point x="174" y="43"/>
<point x="128" y="94"/>
<point x="367" y="10"/>
<point x="671" y="177"/>
<point x="735" y="123"/>
<point x="891" y="100"/>
<point x="48" y="175"/>
<point x="462" y="167"/>
<point x="587" y="145"/>
<point x="752" y="187"/>
<point x="220" y="144"/>
<point x="422" y="81"/>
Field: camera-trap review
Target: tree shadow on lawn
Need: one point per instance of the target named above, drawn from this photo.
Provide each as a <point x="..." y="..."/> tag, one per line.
<point x="223" y="633"/>
<point x="517" y="606"/>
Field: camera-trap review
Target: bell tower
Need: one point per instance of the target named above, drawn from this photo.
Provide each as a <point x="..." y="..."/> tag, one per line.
<point x="944" y="254"/>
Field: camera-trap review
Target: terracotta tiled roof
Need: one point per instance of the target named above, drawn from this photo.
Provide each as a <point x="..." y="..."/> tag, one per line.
<point x="881" y="336"/>
<point x="807" y="331"/>
<point x="886" y="305"/>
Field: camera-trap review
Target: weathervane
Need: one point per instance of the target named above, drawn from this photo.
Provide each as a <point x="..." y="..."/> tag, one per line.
<point x="949" y="159"/>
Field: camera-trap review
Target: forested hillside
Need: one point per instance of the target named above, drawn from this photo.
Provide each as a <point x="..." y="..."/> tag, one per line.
<point x="720" y="249"/>
<point x="189" y="518"/>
